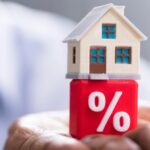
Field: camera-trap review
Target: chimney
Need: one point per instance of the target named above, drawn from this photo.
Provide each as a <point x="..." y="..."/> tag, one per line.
<point x="121" y="9"/>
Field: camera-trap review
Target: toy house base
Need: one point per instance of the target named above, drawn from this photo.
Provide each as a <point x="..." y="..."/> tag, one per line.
<point x="103" y="76"/>
<point x="94" y="110"/>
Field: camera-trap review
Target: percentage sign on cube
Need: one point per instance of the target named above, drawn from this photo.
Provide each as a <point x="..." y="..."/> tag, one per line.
<point x="116" y="118"/>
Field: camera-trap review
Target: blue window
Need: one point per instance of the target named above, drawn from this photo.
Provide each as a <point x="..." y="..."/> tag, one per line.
<point x="101" y="52"/>
<point x="97" y="55"/>
<point x="101" y="59"/>
<point x="126" y="51"/>
<point x="126" y="59"/>
<point x="119" y="51"/>
<point x="94" y="59"/>
<point x="123" y="55"/>
<point x="94" y="52"/>
<point x="119" y="59"/>
<point x="108" y="31"/>
<point x="104" y="35"/>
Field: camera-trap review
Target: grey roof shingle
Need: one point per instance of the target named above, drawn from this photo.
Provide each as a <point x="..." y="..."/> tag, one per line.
<point x="92" y="17"/>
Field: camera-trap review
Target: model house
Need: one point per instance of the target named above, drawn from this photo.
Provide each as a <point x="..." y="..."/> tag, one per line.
<point x="104" y="45"/>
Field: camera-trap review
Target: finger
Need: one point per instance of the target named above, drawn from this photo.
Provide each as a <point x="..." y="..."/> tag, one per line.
<point x="25" y="139"/>
<point x="59" y="142"/>
<point x="97" y="141"/>
<point x="141" y="135"/>
<point x="103" y="142"/>
<point x="144" y="113"/>
<point x="121" y="143"/>
<point x="17" y="139"/>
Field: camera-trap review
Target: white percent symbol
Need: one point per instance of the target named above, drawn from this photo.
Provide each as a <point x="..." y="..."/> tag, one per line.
<point x="116" y="118"/>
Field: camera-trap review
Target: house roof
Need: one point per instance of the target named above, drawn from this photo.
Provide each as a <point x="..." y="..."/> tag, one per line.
<point x="93" y="16"/>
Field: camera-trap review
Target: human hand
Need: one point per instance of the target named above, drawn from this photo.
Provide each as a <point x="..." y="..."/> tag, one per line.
<point x="49" y="131"/>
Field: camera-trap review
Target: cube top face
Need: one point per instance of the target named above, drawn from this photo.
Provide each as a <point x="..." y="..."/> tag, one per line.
<point x="93" y="109"/>
<point x="103" y="82"/>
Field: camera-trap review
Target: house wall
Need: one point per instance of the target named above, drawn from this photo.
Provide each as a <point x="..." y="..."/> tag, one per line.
<point x="73" y="68"/>
<point x="125" y="36"/>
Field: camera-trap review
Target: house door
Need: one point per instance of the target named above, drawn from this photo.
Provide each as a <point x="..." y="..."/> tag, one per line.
<point x="98" y="59"/>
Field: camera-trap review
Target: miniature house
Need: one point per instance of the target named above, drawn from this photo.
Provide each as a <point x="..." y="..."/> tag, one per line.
<point x="104" y="45"/>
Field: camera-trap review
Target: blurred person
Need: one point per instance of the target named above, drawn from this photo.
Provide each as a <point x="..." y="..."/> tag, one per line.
<point x="33" y="63"/>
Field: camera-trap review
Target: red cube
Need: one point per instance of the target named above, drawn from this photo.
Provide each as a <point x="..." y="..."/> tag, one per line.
<point x="102" y="107"/>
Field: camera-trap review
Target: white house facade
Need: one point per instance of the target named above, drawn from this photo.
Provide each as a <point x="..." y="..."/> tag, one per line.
<point x="104" y="45"/>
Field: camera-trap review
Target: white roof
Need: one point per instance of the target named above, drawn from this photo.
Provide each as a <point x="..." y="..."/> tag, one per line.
<point x="93" y="16"/>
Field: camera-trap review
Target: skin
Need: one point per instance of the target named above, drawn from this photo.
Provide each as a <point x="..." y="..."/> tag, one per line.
<point x="49" y="131"/>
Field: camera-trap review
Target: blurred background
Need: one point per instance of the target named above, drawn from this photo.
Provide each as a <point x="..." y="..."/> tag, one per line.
<point x="33" y="57"/>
